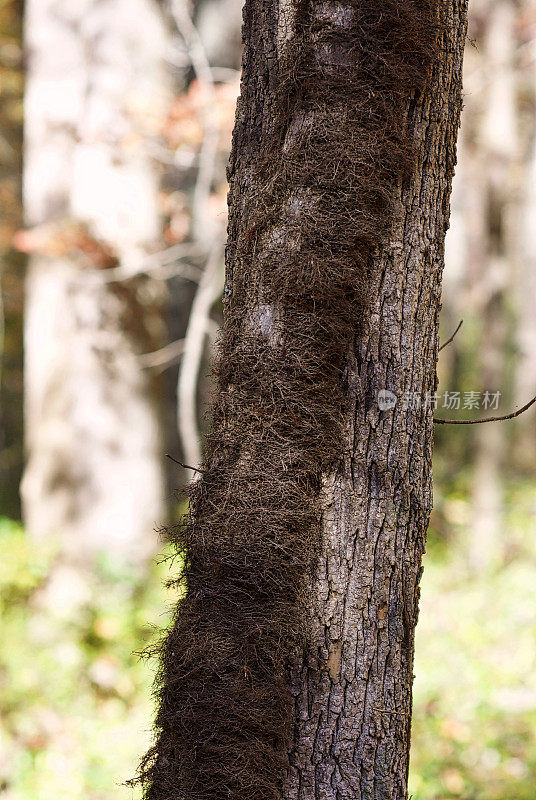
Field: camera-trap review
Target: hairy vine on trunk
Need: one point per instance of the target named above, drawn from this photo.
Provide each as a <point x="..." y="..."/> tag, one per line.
<point x="329" y="168"/>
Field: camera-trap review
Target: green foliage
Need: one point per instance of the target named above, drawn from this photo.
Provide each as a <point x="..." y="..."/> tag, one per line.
<point x="75" y="698"/>
<point x="22" y="566"/>
<point x="475" y="688"/>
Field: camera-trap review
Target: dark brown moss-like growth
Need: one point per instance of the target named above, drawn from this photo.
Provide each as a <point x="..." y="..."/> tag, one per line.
<point x="314" y="205"/>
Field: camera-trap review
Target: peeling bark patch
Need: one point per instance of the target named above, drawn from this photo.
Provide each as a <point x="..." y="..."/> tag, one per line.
<point x="264" y="320"/>
<point x="334" y="661"/>
<point x="285" y="27"/>
<point x="334" y="13"/>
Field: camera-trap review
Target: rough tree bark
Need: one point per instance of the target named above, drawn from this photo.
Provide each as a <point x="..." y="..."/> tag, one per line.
<point x="353" y="699"/>
<point x="308" y="524"/>
<point x="94" y="471"/>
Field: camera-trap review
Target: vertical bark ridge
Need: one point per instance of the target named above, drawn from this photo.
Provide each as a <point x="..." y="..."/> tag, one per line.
<point x="352" y="736"/>
<point x="323" y="142"/>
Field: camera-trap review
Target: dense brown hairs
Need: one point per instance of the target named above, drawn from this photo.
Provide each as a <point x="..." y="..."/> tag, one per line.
<point x="329" y="173"/>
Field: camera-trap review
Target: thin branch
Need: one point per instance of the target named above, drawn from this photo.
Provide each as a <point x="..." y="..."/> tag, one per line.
<point x="184" y="466"/>
<point x="225" y="74"/>
<point x="163" y="357"/>
<point x="209" y="148"/>
<point x="451" y="338"/>
<point x="513" y="415"/>
<point x="188" y="272"/>
<point x="208" y="290"/>
<point x="164" y="263"/>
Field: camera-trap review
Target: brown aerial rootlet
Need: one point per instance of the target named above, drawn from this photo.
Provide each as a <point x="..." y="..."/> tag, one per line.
<point x="330" y="169"/>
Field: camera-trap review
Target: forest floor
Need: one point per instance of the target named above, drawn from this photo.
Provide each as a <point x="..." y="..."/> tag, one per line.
<point x="75" y="697"/>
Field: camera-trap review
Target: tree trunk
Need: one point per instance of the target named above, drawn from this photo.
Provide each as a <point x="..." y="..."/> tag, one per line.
<point x="94" y="471"/>
<point x="304" y="543"/>
<point x="353" y="695"/>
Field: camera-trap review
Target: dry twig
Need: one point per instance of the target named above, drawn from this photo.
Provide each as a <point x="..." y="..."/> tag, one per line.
<point x="451" y="338"/>
<point x="209" y="288"/>
<point x="513" y="415"/>
<point x="162" y="358"/>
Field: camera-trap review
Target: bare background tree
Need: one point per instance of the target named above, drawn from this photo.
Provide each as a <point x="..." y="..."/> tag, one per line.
<point x="94" y="472"/>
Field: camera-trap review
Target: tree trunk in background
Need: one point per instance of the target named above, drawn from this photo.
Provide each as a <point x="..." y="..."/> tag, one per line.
<point x="498" y="151"/>
<point x="526" y="284"/>
<point x="11" y="262"/>
<point x="526" y="371"/>
<point x="94" y="473"/>
<point x="353" y="699"/>
<point x="219" y="25"/>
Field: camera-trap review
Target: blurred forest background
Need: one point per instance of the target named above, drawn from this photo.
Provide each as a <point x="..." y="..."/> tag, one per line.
<point x="115" y="127"/>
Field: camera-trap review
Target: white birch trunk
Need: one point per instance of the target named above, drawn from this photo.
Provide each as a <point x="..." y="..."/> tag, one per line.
<point x="94" y="472"/>
<point x="526" y="291"/>
<point x="498" y="142"/>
